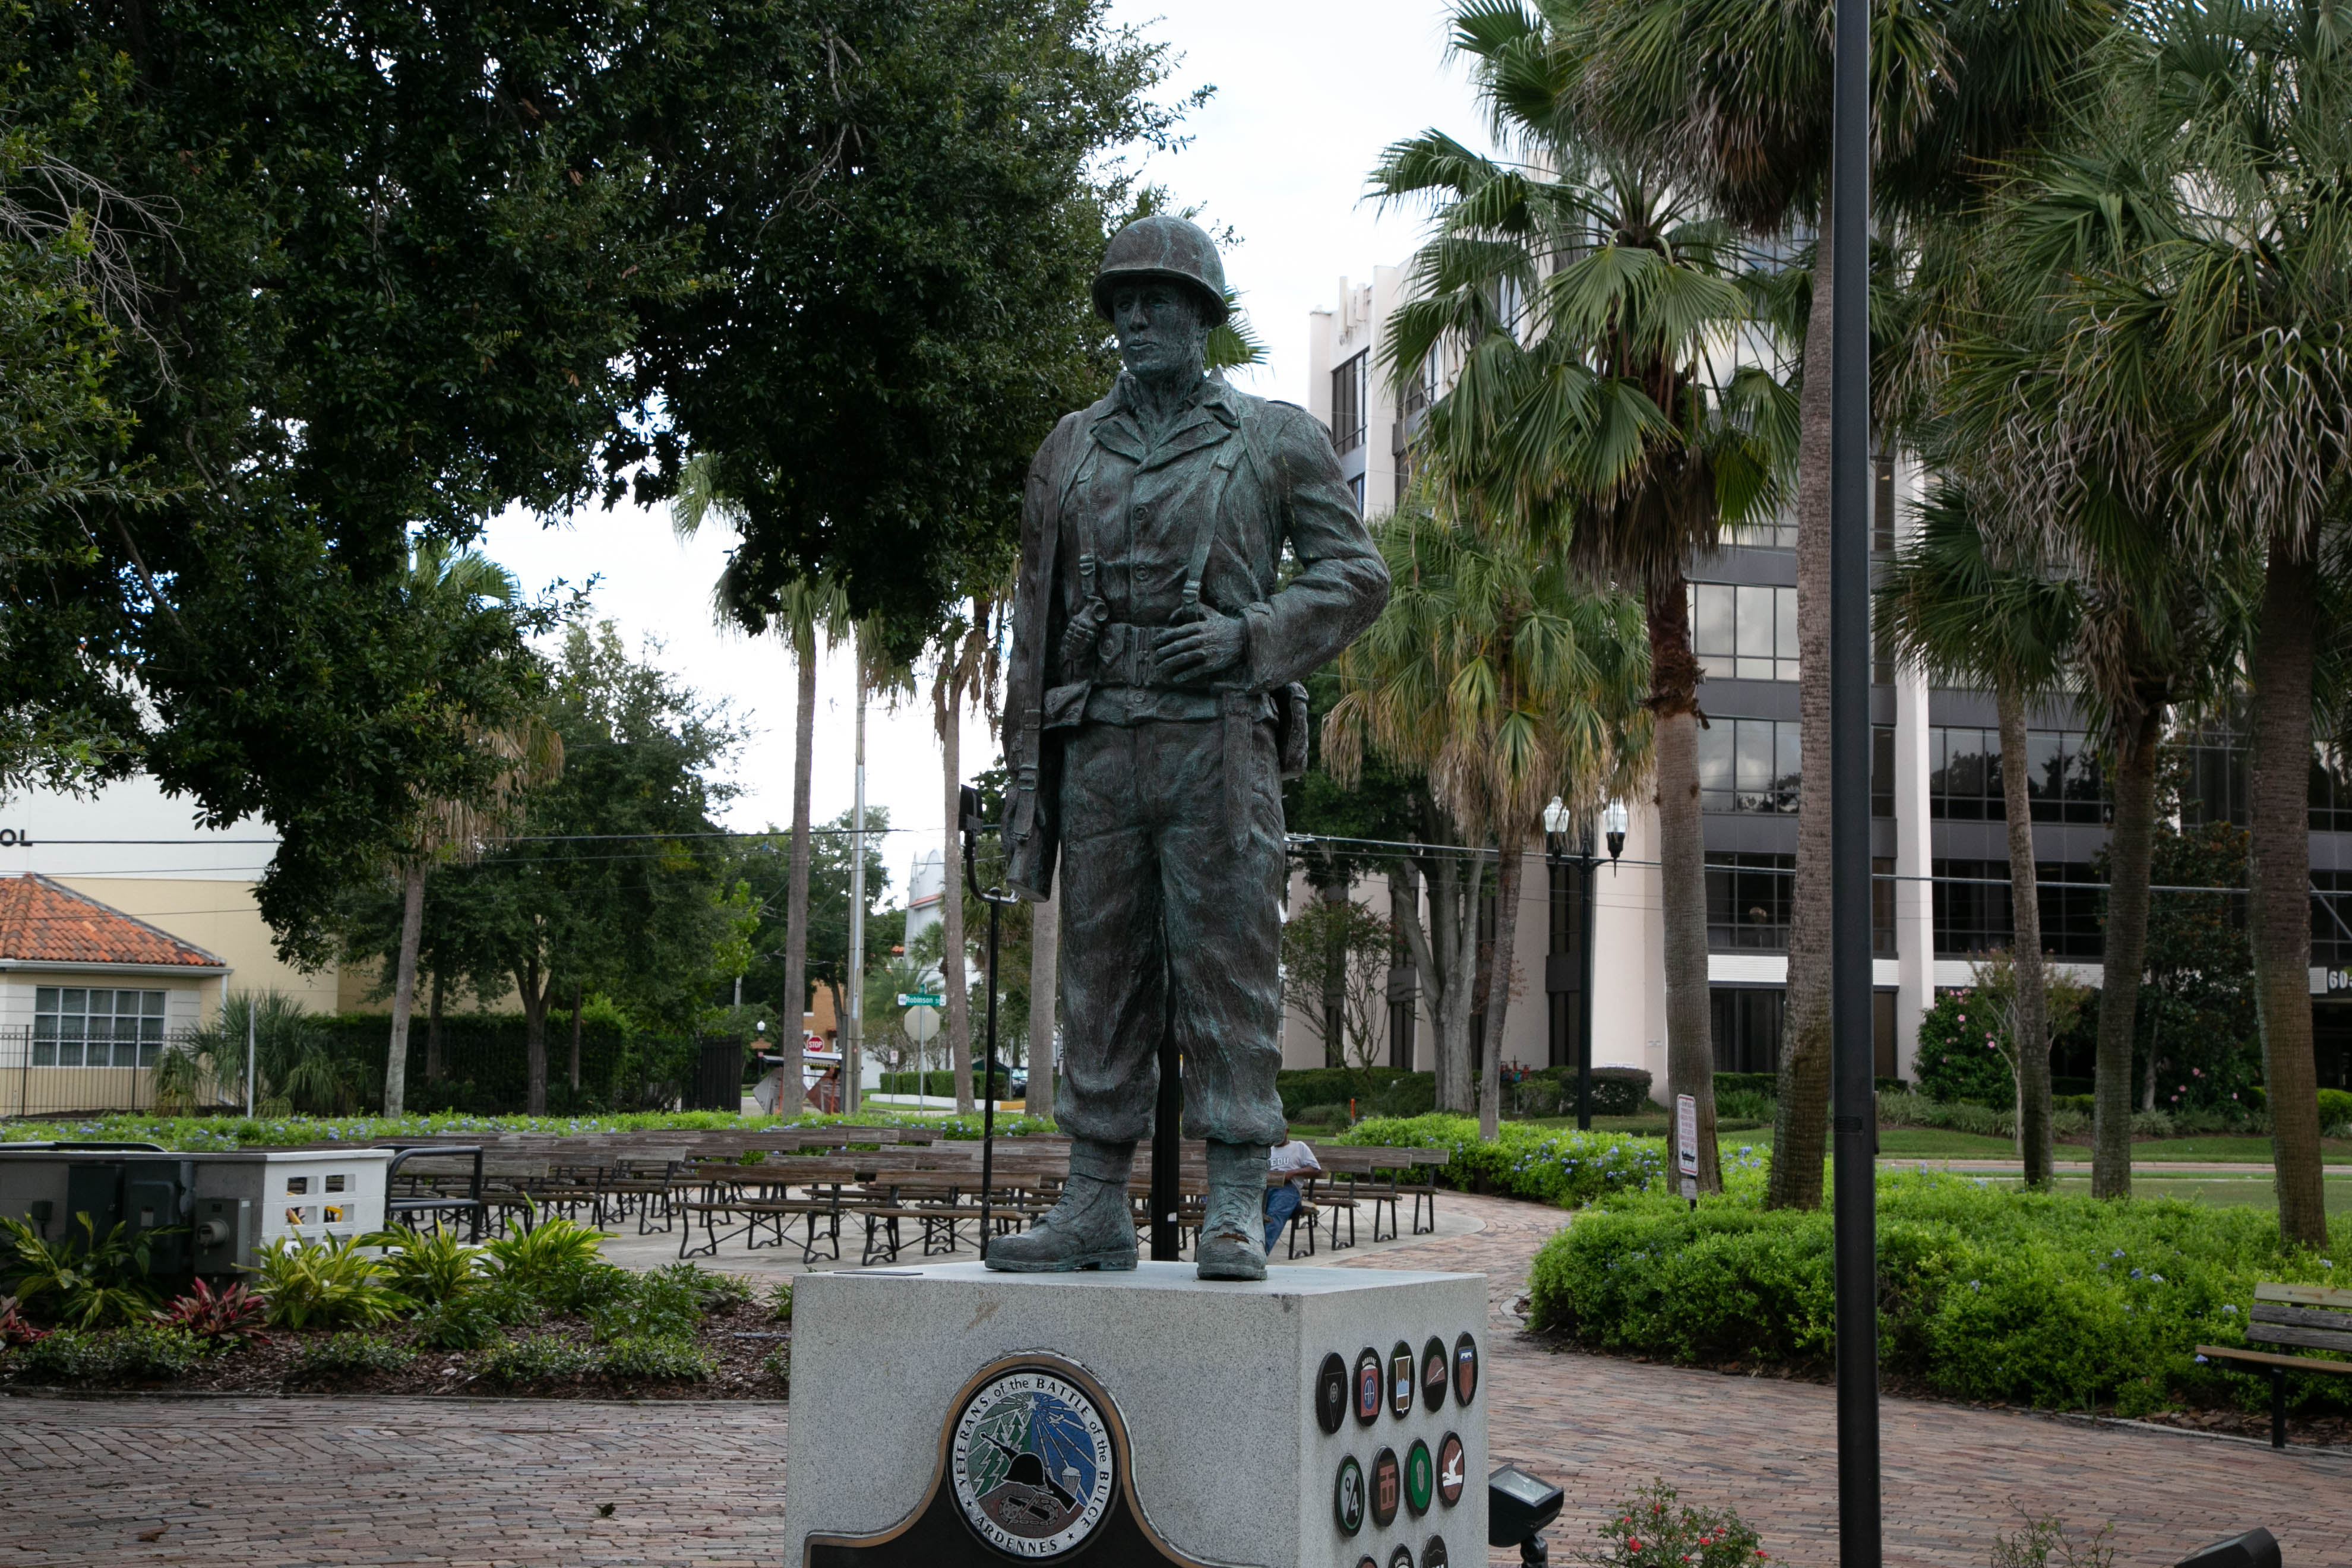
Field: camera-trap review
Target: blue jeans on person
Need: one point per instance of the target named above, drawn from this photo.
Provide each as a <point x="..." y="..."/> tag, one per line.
<point x="1281" y="1202"/>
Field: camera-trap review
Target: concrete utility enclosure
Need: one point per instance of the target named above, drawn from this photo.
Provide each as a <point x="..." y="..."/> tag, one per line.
<point x="218" y="1207"/>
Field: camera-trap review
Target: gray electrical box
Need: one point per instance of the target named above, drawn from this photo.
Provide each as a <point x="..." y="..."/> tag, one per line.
<point x="209" y="1211"/>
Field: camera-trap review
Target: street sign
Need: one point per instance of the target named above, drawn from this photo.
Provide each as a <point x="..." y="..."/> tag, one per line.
<point x="1686" y="1142"/>
<point x="922" y="1024"/>
<point x="918" y="999"/>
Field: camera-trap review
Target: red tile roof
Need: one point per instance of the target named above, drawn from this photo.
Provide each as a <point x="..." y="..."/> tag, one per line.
<point x="41" y="921"/>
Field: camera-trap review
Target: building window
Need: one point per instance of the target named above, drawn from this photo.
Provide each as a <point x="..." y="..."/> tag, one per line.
<point x="74" y="1027"/>
<point x="1777" y="531"/>
<point x="1748" y="764"/>
<point x="1348" y="403"/>
<point x="2331" y="918"/>
<point x="1747" y="1029"/>
<point x="1748" y="902"/>
<point x="2062" y="781"/>
<point x="1882" y="506"/>
<point x="1972" y="908"/>
<point x="1742" y="632"/>
<point x="2331" y="791"/>
<point x="1882" y="770"/>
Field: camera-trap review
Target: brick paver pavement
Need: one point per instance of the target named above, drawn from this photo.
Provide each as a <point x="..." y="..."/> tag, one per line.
<point x="266" y="1483"/>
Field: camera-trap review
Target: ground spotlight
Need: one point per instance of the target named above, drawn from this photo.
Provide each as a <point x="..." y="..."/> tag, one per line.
<point x="1519" y="1507"/>
<point x="2256" y="1548"/>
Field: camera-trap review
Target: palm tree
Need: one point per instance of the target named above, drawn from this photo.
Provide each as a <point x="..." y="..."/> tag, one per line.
<point x="1736" y="96"/>
<point x="968" y="667"/>
<point x="2209" y="367"/>
<point x="1973" y="614"/>
<point x="1589" y="410"/>
<point x="1508" y="680"/>
<point x="522" y="752"/>
<point x="804" y="610"/>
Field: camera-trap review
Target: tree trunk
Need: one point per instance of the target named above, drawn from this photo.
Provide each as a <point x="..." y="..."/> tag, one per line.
<point x="1044" y="981"/>
<point x="796" y="987"/>
<point x="2148" y="1069"/>
<point x="433" y="1068"/>
<point x="1801" y="1122"/>
<point x="2029" y="1027"/>
<point x="948" y="697"/>
<point x="1335" y="980"/>
<point x="534" y="1038"/>
<point x="2279" y="882"/>
<point x="1682" y="866"/>
<point x="2129" y="844"/>
<point x="1404" y="893"/>
<point x="577" y="990"/>
<point x="1419" y="946"/>
<point x="1508" y="871"/>
<point x="404" y="990"/>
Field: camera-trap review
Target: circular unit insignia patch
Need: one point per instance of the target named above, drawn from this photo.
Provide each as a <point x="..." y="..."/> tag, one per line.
<point x="1401" y="1557"/>
<point x="1449" y="1469"/>
<point x="1347" y="1496"/>
<point x="1400" y="1380"/>
<point x="1434" y="1554"/>
<point x="1434" y="1371"/>
<point x="1367" y="1386"/>
<point x="1332" y="1392"/>
<point x="1465" y="1369"/>
<point x="1420" y="1478"/>
<point x="1032" y="1463"/>
<point x="1387" y="1486"/>
<point x="1367" y="1562"/>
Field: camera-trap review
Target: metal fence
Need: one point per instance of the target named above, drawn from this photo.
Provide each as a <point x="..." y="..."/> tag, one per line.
<point x="48" y="1076"/>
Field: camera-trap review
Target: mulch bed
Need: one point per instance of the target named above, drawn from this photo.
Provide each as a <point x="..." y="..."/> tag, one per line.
<point x="737" y="1337"/>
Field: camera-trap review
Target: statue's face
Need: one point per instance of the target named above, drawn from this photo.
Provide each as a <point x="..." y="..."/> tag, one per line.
<point x="1160" y="329"/>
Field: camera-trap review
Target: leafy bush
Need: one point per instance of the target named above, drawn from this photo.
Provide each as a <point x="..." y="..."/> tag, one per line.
<point x="462" y="1324"/>
<point x="143" y="1352"/>
<point x="780" y="1299"/>
<point x="1323" y="1116"/>
<point x="1524" y="1162"/>
<point x="721" y="1291"/>
<point x="2045" y="1542"/>
<point x="341" y="1355"/>
<point x="1650" y="1531"/>
<point x="431" y="1267"/>
<point x="540" y="1259"/>
<point x="1960" y="1057"/>
<point x="17" y="1330"/>
<point x="778" y="1364"/>
<point x="87" y="1283"/>
<point x="661" y="1303"/>
<point x="328" y="1284"/>
<point x="1985" y="1292"/>
<point x="658" y="1358"/>
<point x="1744" y="1105"/>
<point x="536" y="1358"/>
<point x="2335" y="1107"/>
<point x="939" y="1083"/>
<point x="1303" y="1087"/>
<point x="230" y="1315"/>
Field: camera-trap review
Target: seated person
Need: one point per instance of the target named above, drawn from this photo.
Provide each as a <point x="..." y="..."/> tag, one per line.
<point x="1289" y="1161"/>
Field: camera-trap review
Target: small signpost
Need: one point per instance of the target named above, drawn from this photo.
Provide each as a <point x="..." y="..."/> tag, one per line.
<point x="919" y="999"/>
<point x="1687" y="1145"/>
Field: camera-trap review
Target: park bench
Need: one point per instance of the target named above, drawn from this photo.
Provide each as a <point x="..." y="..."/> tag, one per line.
<point x="407" y="1207"/>
<point x="2305" y="1317"/>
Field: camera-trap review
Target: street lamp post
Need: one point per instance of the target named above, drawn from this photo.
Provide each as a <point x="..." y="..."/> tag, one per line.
<point x="1557" y="820"/>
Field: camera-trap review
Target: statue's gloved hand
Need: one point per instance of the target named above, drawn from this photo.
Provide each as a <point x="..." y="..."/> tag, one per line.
<point x="1202" y="648"/>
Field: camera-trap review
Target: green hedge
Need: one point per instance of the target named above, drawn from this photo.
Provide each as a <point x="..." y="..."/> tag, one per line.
<point x="941" y="1081"/>
<point x="1985" y="1292"/>
<point x="1542" y="1164"/>
<point x="1768" y="1084"/>
<point x="1382" y="1090"/>
<point x="486" y="1062"/>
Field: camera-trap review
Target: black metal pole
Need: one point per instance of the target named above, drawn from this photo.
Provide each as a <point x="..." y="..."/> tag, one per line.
<point x="1854" y="1116"/>
<point x="968" y="806"/>
<point x="1167" y="1242"/>
<point x="1584" y="998"/>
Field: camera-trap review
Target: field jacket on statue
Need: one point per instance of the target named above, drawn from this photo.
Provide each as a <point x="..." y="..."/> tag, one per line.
<point x="1117" y="538"/>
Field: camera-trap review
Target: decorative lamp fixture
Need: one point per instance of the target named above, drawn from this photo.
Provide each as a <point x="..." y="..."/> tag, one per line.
<point x="1614" y="817"/>
<point x="1555" y="821"/>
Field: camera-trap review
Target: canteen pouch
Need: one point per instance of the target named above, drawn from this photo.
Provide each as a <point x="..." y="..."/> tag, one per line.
<point x="1290" y="728"/>
<point x="1065" y="705"/>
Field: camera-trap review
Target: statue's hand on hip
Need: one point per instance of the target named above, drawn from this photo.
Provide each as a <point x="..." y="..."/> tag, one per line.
<point x="1202" y="648"/>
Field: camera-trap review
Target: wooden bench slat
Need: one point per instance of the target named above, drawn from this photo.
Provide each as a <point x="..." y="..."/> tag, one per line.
<point x="2306" y="1295"/>
<point x="2314" y="1338"/>
<point x="2264" y="1357"/>
<point x="2303" y="1316"/>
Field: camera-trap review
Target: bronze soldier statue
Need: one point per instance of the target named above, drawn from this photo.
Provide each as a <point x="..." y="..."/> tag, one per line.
<point x="1152" y="714"/>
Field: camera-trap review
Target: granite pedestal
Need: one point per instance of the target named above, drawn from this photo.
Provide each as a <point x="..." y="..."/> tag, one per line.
<point x="1319" y="1420"/>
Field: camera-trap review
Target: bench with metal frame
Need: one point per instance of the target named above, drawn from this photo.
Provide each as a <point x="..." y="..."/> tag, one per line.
<point x="2311" y="1317"/>
<point x="431" y="1200"/>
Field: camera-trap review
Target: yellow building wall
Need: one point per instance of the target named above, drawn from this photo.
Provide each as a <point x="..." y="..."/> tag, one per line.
<point x="222" y="918"/>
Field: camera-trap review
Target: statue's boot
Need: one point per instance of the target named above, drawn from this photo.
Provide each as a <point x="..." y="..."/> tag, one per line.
<point x="1091" y="1228"/>
<point x="1233" y="1233"/>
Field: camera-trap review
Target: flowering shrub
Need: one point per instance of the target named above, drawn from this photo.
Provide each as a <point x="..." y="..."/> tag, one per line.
<point x="1961" y="1054"/>
<point x="1985" y="1292"/>
<point x="1546" y="1165"/>
<point x="1651" y="1531"/>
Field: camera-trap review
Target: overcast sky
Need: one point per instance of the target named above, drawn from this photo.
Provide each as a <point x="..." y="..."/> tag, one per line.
<point x="1308" y="91"/>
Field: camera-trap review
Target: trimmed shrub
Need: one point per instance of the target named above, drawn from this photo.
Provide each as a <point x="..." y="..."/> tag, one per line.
<point x="1985" y="1292"/>
<point x="1545" y="1166"/>
<point x="939" y="1082"/>
<point x="143" y="1352"/>
<point x="1303" y="1087"/>
<point x="536" y="1358"/>
<point x="342" y="1355"/>
<point x="2335" y="1107"/>
<point x="1961" y="1057"/>
<point x="1323" y="1116"/>
<point x="658" y="1358"/>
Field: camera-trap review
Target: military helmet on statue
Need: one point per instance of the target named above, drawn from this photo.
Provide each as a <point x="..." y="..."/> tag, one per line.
<point x="1163" y="245"/>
